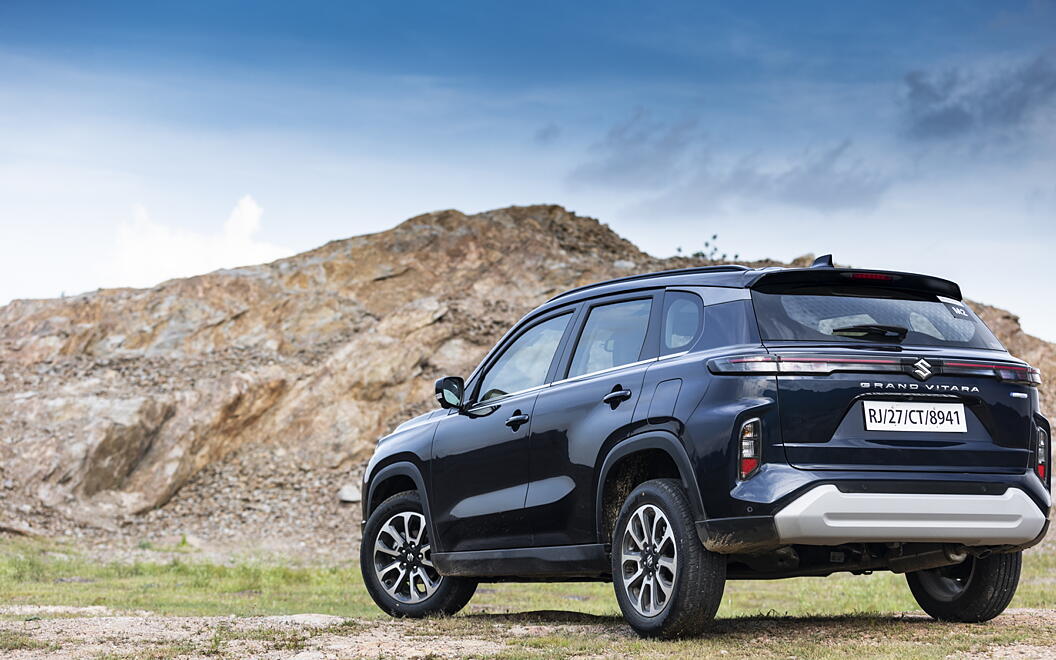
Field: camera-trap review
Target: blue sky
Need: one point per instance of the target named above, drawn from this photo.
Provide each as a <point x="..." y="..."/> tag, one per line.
<point x="141" y="141"/>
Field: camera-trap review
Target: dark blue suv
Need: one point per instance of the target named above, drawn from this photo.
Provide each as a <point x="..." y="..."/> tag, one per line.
<point x="673" y="430"/>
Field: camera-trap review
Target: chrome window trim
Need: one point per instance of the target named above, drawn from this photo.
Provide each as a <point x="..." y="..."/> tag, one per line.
<point x="491" y="402"/>
<point x="604" y="371"/>
<point x="673" y="355"/>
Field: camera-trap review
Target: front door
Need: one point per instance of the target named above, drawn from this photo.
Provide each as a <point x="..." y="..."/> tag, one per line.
<point x="480" y="453"/>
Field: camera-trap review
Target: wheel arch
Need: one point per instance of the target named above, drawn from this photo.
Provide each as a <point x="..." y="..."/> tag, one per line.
<point x="388" y="481"/>
<point x="652" y="444"/>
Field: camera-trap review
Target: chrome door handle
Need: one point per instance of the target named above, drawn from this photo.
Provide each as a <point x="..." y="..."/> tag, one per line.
<point x="516" y="420"/>
<point x="615" y="397"/>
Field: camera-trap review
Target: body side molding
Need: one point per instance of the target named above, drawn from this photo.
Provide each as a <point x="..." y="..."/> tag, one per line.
<point x="553" y="562"/>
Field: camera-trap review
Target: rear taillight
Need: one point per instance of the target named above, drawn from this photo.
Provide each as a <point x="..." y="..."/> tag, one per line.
<point x="749" y="457"/>
<point x="1012" y="373"/>
<point x="791" y="364"/>
<point x="826" y="364"/>
<point x="1041" y="462"/>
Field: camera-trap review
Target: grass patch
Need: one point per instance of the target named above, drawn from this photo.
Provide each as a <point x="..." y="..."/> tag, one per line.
<point x="841" y="616"/>
<point x="35" y="575"/>
<point x="16" y="641"/>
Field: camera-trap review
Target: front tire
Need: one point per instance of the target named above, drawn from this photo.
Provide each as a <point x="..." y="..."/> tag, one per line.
<point x="667" y="584"/>
<point x="395" y="558"/>
<point x="973" y="591"/>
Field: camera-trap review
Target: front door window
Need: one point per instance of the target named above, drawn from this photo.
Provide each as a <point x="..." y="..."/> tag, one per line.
<point x="525" y="363"/>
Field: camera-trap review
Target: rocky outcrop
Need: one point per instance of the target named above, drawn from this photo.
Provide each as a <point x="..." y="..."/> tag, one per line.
<point x="110" y="401"/>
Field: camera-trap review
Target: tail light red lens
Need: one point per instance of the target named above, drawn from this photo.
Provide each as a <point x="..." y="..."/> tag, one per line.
<point x="1041" y="462"/>
<point x="792" y="364"/>
<point x="749" y="454"/>
<point x="879" y="277"/>
<point x="1013" y="373"/>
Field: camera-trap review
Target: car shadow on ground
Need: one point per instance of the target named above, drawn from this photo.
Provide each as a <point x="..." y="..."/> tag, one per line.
<point x="772" y="623"/>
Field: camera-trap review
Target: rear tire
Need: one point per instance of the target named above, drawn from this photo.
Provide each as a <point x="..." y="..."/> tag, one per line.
<point x="395" y="558"/>
<point x="973" y="591"/>
<point x="667" y="584"/>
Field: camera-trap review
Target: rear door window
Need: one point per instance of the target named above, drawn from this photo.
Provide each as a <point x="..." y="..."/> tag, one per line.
<point x="612" y="336"/>
<point x="833" y="316"/>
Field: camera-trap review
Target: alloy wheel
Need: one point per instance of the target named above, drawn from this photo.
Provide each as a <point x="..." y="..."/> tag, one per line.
<point x="402" y="560"/>
<point x="649" y="560"/>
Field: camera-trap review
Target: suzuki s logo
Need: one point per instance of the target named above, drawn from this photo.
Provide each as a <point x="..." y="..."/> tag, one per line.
<point x="922" y="369"/>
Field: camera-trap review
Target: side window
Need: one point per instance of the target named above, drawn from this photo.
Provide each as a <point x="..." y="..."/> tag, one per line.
<point x="612" y="336"/>
<point x="729" y="324"/>
<point x="526" y="361"/>
<point x="683" y="321"/>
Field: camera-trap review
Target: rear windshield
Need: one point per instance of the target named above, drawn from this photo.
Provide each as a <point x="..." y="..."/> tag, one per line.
<point x="813" y="315"/>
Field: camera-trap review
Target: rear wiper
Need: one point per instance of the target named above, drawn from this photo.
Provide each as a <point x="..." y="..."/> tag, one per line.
<point x="873" y="331"/>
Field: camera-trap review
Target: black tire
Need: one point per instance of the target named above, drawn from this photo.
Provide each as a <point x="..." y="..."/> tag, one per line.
<point x="973" y="591"/>
<point x="451" y="593"/>
<point x="696" y="584"/>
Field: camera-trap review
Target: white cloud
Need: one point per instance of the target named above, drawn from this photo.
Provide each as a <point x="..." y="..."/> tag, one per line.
<point x="148" y="252"/>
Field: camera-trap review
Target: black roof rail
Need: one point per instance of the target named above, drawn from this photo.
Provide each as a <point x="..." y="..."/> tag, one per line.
<point x="659" y="273"/>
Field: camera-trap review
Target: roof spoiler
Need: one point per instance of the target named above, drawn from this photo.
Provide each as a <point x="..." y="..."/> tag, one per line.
<point x="826" y="275"/>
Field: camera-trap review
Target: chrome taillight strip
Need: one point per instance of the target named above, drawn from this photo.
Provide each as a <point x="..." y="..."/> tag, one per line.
<point x="791" y="364"/>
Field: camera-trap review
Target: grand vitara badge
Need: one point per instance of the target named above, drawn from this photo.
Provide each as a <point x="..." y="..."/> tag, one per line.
<point x="922" y="369"/>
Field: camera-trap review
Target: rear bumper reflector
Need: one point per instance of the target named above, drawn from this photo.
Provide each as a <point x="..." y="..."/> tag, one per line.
<point x="827" y="516"/>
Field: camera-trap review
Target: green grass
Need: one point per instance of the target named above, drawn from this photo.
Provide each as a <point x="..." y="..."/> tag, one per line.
<point x="15" y="641"/>
<point x="31" y="573"/>
<point x="838" y="616"/>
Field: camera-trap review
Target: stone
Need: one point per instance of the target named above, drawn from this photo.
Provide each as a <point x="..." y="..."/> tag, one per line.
<point x="349" y="494"/>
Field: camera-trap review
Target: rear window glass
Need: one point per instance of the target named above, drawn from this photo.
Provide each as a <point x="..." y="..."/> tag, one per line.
<point x="817" y="316"/>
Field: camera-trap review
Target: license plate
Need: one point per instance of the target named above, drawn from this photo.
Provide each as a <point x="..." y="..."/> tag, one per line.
<point x="904" y="416"/>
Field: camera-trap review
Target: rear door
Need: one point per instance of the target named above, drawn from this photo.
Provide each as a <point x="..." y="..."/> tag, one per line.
<point x="871" y="379"/>
<point x="590" y="406"/>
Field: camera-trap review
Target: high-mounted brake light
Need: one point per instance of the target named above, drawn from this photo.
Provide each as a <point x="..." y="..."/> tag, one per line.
<point x="1041" y="461"/>
<point x="750" y="436"/>
<point x="884" y="277"/>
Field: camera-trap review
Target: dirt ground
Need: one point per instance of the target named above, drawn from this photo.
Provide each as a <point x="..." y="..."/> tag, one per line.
<point x="41" y="632"/>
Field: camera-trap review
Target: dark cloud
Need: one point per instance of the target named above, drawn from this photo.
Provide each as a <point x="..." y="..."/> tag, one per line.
<point x="672" y="162"/>
<point x="827" y="179"/>
<point x="548" y="134"/>
<point x="957" y="102"/>
<point x="640" y="152"/>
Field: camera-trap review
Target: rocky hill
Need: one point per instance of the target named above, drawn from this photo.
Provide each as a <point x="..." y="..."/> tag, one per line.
<point x="266" y="386"/>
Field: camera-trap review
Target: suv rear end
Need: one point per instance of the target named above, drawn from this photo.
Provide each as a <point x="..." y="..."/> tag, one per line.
<point x="907" y="438"/>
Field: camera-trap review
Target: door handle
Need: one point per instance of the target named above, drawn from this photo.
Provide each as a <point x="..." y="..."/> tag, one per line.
<point x="615" y="397"/>
<point x="516" y="419"/>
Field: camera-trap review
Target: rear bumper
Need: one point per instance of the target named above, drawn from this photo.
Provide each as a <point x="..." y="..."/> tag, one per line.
<point x="827" y="516"/>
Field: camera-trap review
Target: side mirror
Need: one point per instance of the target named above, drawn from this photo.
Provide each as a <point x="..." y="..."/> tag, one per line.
<point x="449" y="391"/>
